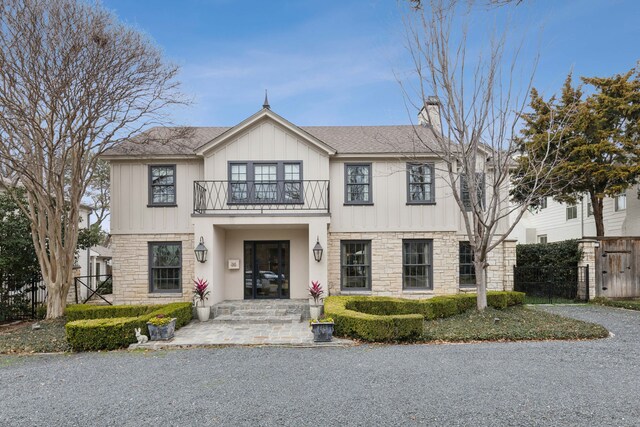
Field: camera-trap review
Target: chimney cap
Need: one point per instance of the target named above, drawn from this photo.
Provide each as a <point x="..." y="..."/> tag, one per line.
<point x="432" y="100"/>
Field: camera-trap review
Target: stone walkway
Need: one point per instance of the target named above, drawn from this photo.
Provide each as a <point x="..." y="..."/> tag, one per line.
<point x="198" y="334"/>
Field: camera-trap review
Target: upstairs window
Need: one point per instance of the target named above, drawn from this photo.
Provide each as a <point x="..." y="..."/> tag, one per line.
<point x="265" y="182"/>
<point x="621" y="202"/>
<point x="572" y="212"/>
<point x="162" y="185"/>
<point x="589" y="209"/>
<point x="420" y="183"/>
<point x="543" y="203"/>
<point x="464" y="191"/>
<point x="358" y="184"/>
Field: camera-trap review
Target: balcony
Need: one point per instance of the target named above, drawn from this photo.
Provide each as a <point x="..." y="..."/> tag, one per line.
<point x="251" y="197"/>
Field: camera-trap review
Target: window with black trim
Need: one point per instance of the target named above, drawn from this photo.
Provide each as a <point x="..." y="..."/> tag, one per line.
<point x="357" y="184"/>
<point x="355" y="260"/>
<point x="162" y="185"/>
<point x="417" y="264"/>
<point x="265" y="182"/>
<point x="467" y="268"/>
<point x="464" y="191"/>
<point x="420" y="183"/>
<point x="165" y="267"/>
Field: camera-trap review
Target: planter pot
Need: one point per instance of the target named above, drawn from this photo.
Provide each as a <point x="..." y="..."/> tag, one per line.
<point x="315" y="310"/>
<point x="203" y="313"/>
<point x="162" y="333"/>
<point x="322" y="332"/>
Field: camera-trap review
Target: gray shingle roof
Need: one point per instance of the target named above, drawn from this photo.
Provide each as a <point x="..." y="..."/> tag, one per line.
<point x="344" y="139"/>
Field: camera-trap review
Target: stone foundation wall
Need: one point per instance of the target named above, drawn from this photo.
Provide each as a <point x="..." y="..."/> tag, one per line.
<point x="386" y="264"/>
<point x="131" y="268"/>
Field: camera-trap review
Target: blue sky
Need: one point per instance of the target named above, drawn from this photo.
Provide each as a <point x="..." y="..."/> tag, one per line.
<point x="335" y="62"/>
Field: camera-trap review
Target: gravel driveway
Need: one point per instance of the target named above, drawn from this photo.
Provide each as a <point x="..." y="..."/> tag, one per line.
<point x="588" y="383"/>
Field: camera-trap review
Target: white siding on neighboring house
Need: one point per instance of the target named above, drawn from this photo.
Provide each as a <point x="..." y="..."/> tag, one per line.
<point x="552" y="221"/>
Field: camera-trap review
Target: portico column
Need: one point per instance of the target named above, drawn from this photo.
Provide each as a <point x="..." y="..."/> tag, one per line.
<point x="318" y="270"/>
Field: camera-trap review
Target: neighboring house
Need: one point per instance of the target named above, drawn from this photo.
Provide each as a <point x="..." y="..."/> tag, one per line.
<point x="100" y="262"/>
<point x="262" y="195"/>
<point x="555" y="221"/>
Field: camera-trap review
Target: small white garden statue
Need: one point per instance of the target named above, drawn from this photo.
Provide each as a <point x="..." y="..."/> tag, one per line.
<point x="142" y="339"/>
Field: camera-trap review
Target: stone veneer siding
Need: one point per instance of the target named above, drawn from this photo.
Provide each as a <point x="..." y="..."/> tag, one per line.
<point x="131" y="268"/>
<point x="386" y="264"/>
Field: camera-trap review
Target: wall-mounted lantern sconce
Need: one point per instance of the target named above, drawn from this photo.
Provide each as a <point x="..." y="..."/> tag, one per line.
<point x="317" y="251"/>
<point x="201" y="251"/>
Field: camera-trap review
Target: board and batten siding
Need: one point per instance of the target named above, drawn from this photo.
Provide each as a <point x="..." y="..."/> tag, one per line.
<point x="390" y="211"/>
<point x="263" y="142"/>
<point x="130" y="196"/>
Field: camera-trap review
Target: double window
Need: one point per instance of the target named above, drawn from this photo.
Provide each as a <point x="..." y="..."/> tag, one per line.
<point x="165" y="266"/>
<point x="467" y="268"/>
<point x="357" y="178"/>
<point x="480" y="193"/>
<point x="162" y="185"/>
<point x="265" y="182"/>
<point x="420" y="183"/>
<point x="417" y="264"/>
<point x="355" y="265"/>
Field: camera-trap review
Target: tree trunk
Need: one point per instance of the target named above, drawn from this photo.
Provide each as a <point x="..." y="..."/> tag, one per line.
<point x="481" y="285"/>
<point x="56" y="301"/>
<point x="596" y="205"/>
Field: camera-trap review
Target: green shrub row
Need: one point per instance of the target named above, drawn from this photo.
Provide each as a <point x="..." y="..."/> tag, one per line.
<point x="110" y="333"/>
<point x="86" y="311"/>
<point x="395" y="319"/>
<point x="565" y="253"/>
<point x="628" y="304"/>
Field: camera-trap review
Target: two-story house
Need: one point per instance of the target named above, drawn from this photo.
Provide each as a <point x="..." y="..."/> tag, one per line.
<point x="362" y="209"/>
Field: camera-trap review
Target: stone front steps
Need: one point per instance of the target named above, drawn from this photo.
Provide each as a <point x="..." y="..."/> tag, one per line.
<point x="266" y="311"/>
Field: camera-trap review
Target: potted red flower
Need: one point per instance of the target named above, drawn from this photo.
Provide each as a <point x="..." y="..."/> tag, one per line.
<point x="200" y="293"/>
<point x="316" y="291"/>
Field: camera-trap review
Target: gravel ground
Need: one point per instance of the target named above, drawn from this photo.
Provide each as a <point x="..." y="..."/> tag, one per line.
<point x="581" y="383"/>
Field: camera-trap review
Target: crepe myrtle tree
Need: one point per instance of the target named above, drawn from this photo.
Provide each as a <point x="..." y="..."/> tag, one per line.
<point x="472" y="109"/>
<point x="74" y="81"/>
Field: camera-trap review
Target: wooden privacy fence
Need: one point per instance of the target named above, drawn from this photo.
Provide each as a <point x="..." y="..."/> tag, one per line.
<point x="618" y="267"/>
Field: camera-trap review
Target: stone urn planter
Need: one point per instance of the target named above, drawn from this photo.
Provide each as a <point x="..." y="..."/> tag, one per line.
<point x="203" y="313"/>
<point x="322" y="330"/>
<point x="315" y="310"/>
<point x="161" y="332"/>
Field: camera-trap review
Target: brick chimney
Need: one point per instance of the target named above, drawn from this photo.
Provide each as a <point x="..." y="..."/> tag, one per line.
<point x="429" y="115"/>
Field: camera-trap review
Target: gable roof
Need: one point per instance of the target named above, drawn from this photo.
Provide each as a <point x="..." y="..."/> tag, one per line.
<point x="165" y="141"/>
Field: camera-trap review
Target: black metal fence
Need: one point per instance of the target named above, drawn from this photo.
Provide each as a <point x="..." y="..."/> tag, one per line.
<point x="20" y="298"/>
<point x="552" y="284"/>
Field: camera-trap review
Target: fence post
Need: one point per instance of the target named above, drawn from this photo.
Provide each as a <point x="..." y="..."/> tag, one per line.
<point x="75" y="286"/>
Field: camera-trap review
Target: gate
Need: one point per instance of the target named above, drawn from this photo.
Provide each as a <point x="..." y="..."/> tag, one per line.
<point x="20" y="298"/>
<point x="552" y="284"/>
<point x="94" y="287"/>
<point x="618" y="267"/>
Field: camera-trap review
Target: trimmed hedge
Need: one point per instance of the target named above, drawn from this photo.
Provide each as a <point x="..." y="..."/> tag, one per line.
<point x="396" y="319"/>
<point x="565" y="253"/>
<point x="632" y="304"/>
<point x="85" y="311"/>
<point x="110" y="333"/>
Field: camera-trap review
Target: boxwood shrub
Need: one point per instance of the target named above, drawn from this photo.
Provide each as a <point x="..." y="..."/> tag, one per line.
<point x="86" y="311"/>
<point x="380" y="319"/>
<point x="111" y="332"/>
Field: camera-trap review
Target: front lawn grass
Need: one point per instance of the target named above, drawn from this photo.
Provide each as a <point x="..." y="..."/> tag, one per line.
<point x="629" y="304"/>
<point x="22" y="338"/>
<point x="510" y="324"/>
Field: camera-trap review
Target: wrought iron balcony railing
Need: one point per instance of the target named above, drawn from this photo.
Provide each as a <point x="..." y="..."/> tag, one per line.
<point x="249" y="196"/>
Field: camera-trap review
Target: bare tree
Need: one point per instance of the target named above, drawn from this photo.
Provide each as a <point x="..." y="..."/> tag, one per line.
<point x="474" y="130"/>
<point x="99" y="190"/>
<point x="73" y="82"/>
